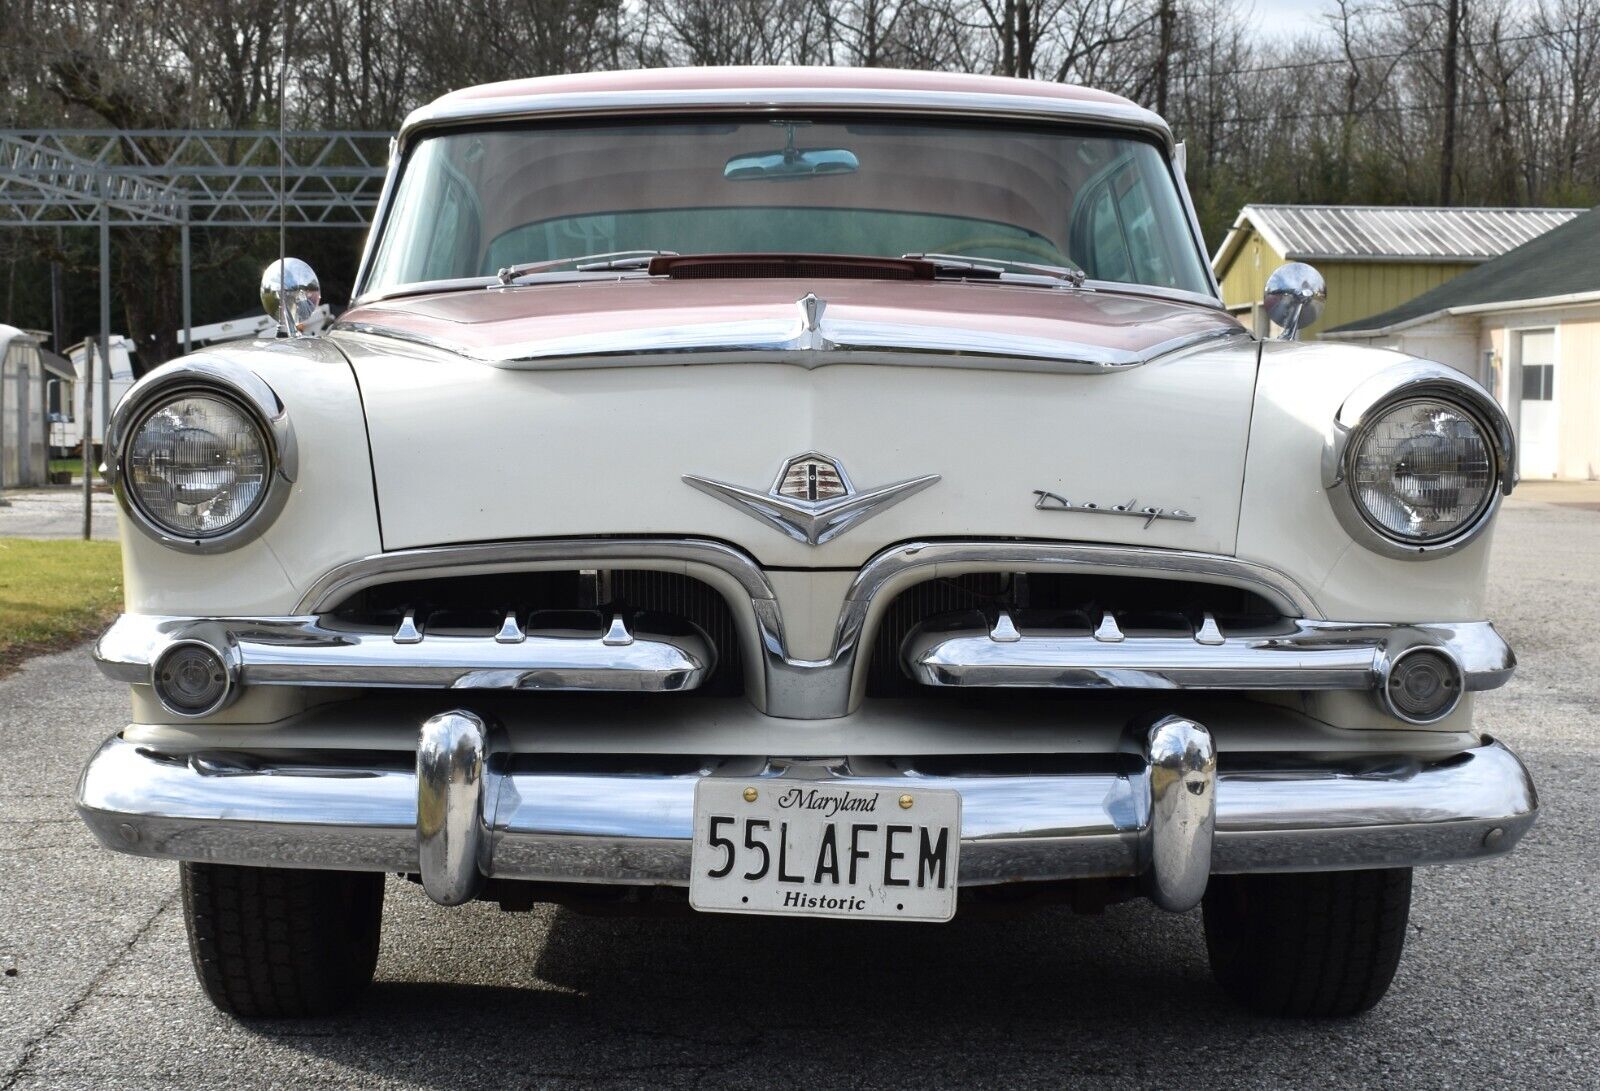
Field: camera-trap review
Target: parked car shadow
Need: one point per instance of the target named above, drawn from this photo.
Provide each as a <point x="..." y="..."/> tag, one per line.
<point x="563" y="997"/>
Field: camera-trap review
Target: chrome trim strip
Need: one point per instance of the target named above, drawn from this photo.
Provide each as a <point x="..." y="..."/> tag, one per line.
<point x="302" y="651"/>
<point x="836" y="342"/>
<point x="1298" y="813"/>
<point x="659" y="554"/>
<point x="1413" y="379"/>
<point x="885" y="568"/>
<point x="1294" y="655"/>
<point x="219" y="378"/>
<point x="369" y="245"/>
<point x="950" y="558"/>
<point x="1178" y="162"/>
<point x="756" y="100"/>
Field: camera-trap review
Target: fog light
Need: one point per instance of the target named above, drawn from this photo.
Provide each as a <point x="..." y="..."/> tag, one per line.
<point x="1422" y="685"/>
<point x="192" y="679"/>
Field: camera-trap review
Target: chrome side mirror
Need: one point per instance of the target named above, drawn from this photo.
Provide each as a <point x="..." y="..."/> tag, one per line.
<point x="290" y="294"/>
<point x="1295" y="296"/>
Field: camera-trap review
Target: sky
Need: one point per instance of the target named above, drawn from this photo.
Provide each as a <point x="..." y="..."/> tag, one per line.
<point x="1275" y="19"/>
<point x="1284" y="18"/>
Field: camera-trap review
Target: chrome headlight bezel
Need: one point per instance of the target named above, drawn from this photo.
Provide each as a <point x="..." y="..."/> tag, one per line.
<point x="1412" y="381"/>
<point x="236" y="385"/>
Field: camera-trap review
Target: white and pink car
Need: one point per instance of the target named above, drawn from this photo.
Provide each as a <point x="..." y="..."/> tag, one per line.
<point x="812" y="492"/>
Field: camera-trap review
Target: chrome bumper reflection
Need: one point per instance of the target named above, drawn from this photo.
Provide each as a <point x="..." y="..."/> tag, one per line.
<point x="1174" y="818"/>
<point x="303" y="651"/>
<point x="1289" y="655"/>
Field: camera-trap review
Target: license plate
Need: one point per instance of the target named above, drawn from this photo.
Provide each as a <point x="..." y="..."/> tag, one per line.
<point x="819" y="850"/>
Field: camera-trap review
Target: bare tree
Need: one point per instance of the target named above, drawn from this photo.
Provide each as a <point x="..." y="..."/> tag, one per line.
<point x="1397" y="101"/>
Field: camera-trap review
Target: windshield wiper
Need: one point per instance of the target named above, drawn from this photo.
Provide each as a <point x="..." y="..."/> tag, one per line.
<point x="587" y="263"/>
<point x="956" y="265"/>
<point x="995" y="268"/>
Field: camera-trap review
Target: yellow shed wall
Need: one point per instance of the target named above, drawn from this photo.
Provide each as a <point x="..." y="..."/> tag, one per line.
<point x="1360" y="289"/>
<point x="1356" y="289"/>
<point x="1245" y="278"/>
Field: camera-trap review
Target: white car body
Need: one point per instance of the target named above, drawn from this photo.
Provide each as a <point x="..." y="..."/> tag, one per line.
<point x="627" y="432"/>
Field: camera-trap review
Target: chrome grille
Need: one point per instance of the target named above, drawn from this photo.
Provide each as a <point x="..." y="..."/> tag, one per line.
<point x="695" y="602"/>
<point x="1134" y="604"/>
<point x="885" y="677"/>
<point x="479" y="605"/>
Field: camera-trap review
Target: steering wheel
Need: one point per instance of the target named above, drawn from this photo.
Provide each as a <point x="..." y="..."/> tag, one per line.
<point x="1036" y="247"/>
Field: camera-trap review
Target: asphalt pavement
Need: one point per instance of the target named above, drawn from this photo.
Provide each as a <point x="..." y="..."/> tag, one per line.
<point x="56" y="513"/>
<point x="1500" y="985"/>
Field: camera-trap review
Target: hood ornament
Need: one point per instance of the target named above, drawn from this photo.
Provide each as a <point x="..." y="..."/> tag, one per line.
<point x="811" y="309"/>
<point x="812" y="500"/>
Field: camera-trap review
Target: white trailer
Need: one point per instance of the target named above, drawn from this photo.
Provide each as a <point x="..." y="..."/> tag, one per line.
<point x="70" y="433"/>
<point x="252" y="325"/>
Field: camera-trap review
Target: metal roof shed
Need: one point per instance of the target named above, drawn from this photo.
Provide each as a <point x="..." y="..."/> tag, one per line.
<point x="23" y="458"/>
<point x="1373" y="257"/>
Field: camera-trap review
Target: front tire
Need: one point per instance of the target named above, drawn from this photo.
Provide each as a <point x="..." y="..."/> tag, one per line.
<point x="1313" y="944"/>
<point x="280" y="942"/>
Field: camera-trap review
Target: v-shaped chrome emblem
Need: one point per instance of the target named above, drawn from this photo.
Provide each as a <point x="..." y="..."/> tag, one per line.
<point x="812" y="500"/>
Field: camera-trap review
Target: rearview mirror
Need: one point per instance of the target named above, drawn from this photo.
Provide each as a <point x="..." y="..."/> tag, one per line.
<point x="790" y="164"/>
<point x="1294" y="298"/>
<point x="291" y="294"/>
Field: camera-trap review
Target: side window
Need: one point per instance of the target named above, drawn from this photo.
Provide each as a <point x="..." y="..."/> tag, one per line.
<point x="435" y="226"/>
<point x="1120" y="233"/>
<point x="1140" y="230"/>
<point x="453" y="241"/>
<point x="1108" y="256"/>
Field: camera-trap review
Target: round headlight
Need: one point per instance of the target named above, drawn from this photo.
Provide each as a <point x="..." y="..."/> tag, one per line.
<point x="1422" y="471"/>
<point x="197" y="465"/>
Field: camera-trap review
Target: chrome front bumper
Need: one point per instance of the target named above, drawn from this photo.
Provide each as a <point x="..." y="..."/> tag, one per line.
<point x="1167" y="811"/>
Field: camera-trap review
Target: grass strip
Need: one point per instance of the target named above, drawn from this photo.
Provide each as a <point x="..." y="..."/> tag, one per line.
<point x="54" y="594"/>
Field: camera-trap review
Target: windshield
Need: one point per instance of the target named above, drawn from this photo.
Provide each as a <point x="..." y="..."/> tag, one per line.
<point x="471" y="203"/>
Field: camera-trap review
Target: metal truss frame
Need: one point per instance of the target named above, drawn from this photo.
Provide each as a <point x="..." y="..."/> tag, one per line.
<point x="202" y="178"/>
<point x="183" y="178"/>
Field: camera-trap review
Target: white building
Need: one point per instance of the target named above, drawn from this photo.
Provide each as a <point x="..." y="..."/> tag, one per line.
<point x="1527" y="326"/>
<point x="24" y="458"/>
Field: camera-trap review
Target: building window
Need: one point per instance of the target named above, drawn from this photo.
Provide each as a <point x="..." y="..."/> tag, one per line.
<point x="1538" y="382"/>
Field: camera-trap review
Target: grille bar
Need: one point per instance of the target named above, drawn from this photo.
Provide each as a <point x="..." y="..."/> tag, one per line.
<point x="963" y="651"/>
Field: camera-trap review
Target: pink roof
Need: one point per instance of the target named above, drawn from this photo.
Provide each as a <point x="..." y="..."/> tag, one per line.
<point x="646" y="81"/>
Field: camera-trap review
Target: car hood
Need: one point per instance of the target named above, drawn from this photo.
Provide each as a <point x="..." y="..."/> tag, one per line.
<point x="531" y="413"/>
<point x="632" y="322"/>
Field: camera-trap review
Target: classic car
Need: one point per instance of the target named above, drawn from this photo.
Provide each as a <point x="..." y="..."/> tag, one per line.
<point x="809" y="492"/>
